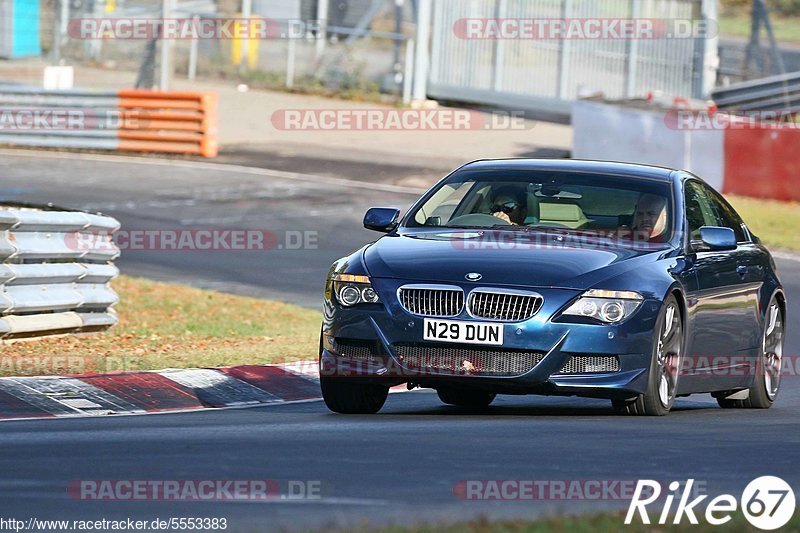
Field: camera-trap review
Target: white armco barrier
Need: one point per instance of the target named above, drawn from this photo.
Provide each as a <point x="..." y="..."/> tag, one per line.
<point x="51" y="284"/>
<point x="614" y="132"/>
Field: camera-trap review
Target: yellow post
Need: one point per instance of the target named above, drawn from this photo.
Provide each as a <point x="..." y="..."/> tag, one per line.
<point x="245" y="39"/>
<point x="111" y="6"/>
<point x="236" y="43"/>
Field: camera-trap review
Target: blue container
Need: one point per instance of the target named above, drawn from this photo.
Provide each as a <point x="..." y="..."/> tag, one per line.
<point x="19" y="28"/>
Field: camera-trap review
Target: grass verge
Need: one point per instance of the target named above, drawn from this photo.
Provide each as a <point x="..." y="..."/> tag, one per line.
<point x="787" y="29"/>
<point x="586" y="524"/>
<point x="776" y="223"/>
<point x="172" y="326"/>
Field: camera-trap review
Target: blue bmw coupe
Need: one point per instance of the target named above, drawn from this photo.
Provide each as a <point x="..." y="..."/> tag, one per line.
<point x="631" y="283"/>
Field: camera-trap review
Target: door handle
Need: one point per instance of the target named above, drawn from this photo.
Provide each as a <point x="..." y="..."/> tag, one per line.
<point x="742" y="270"/>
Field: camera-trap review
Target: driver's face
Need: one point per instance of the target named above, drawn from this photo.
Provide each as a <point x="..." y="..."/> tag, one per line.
<point x="516" y="213"/>
<point x="651" y="215"/>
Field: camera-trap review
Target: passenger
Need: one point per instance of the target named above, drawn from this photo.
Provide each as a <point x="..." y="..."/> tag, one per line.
<point x="650" y="217"/>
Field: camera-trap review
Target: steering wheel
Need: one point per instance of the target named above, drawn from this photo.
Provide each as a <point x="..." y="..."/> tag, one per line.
<point x="477" y="219"/>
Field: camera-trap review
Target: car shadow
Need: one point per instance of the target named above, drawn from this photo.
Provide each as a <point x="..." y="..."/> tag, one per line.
<point x="533" y="407"/>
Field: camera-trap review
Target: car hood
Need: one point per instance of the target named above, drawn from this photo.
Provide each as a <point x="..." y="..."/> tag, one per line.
<point x="500" y="260"/>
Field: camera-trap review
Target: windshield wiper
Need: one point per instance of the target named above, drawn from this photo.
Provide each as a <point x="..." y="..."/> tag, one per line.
<point x="484" y="228"/>
<point x="532" y="229"/>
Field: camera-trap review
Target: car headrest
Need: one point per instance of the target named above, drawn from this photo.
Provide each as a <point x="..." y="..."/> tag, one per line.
<point x="561" y="213"/>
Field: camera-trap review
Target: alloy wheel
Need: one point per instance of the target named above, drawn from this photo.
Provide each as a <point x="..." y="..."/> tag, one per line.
<point x="773" y="351"/>
<point x="668" y="356"/>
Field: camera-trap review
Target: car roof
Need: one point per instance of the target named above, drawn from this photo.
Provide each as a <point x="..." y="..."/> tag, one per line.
<point x="575" y="165"/>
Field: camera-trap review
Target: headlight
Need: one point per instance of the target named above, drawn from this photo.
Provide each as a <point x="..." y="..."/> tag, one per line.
<point x="352" y="290"/>
<point x="610" y="307"/>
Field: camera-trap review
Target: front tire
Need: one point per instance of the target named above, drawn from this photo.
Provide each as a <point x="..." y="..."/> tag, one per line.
<point x="665" y="363"/>
<point x="466" y="398"/>
<point x="350" y="398"/>
<point x="768" y="366"/>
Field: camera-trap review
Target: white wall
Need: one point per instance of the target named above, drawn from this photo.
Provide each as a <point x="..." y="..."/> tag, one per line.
<point x="617" y="133"/>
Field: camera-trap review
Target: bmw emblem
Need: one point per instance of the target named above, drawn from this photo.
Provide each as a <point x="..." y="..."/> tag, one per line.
<point x="473" y="276"/>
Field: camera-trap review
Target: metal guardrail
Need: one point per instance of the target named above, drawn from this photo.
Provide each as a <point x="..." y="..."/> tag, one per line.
<point x="733" y="60"/>
<point x="129" y="120"/>
<point x="775" y="93"/>
<point x="55" y="272"/>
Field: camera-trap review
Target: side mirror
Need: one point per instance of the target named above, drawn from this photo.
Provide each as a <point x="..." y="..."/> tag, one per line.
<point x="718" y="239"/>
<point x="383" y="219"/>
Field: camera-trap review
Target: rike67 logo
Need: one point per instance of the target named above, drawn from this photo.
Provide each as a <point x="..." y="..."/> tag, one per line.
<point x="767" y="502"/>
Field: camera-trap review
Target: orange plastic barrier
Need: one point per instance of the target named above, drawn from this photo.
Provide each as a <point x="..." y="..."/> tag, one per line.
<point x="168" y="122"/>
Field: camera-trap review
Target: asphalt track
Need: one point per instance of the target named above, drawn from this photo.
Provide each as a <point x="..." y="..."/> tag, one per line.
<point x="399" y="466"/>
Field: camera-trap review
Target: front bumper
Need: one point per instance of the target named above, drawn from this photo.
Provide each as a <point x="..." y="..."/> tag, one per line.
<point x="386" y="326"/>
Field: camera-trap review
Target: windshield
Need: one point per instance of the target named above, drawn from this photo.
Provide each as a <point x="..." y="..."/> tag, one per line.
<point x="611" y="206"/>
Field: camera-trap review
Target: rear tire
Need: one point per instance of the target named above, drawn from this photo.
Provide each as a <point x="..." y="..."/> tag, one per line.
<point x="466" y="398"/>
<point x="768" y="366"/>
<point x="349" y="398"/>
<point x="665" y="366"/>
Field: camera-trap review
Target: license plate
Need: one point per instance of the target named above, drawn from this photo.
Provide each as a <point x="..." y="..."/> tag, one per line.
<point x="466" y="332"/>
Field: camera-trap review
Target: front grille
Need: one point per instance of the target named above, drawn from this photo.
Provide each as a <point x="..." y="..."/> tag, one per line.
<point x="435" y="301"/>
<point x="467" y="361"/>
<point x="503" y="306"/>
<point x="590" y="364"/>
<point x="354" y="349"/>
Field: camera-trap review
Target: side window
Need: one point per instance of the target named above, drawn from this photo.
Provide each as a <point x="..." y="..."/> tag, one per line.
<point x="727" y="216"/>
<point x="699" y="211"/>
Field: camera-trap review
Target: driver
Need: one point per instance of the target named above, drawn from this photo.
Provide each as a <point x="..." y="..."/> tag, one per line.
<point x="650" y="217"/>
<point x="510" y="204"/>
